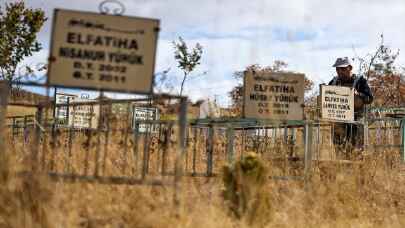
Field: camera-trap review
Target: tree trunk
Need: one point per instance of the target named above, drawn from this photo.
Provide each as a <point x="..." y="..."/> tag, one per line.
<point x="182" y="83"/>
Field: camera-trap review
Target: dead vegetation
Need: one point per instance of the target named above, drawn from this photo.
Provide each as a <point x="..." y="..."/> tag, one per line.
<point x="369" y="194"/>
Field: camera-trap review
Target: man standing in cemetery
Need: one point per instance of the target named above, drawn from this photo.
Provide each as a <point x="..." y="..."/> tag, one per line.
<point x="350" y="135"/>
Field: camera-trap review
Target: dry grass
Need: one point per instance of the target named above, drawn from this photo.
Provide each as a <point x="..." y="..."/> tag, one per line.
<point x="367" y="195"/>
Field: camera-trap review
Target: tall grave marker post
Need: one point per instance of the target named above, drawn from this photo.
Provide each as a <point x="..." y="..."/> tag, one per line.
<point x="107" y="53"/>
<point x="336" y="105"/>
<point x="278" y="96"/>
<point x="101" y="52"/>
<point x="4" y="92"/>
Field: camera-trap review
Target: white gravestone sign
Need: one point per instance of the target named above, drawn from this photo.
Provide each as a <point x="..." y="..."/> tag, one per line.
<point x="104" y="52"/>
<point x="79" y="116"/>
<point x="337" y="103"/>
<point x="143" y="113"/>
<point x="84" y="116"/>
<point x="61" y="112"/>
<point x="277" y="96"/>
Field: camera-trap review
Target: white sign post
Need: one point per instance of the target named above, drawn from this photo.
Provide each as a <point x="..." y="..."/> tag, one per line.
<point x="103" y="52"/>
<point x="277" y="96"/>
<point x="337" y="103"/>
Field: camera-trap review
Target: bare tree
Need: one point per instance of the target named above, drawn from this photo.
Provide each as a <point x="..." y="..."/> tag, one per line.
<point x="384" y="76"/>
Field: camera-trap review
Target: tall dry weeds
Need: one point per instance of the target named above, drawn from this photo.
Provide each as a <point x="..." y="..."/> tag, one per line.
<point x="245" y="192"/>
<point x="369" y="194"/>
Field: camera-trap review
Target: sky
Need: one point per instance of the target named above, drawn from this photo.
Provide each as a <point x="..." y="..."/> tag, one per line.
<point x="307" y="34"/>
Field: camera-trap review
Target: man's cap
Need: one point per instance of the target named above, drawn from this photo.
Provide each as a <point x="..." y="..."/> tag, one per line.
<point x="342" y="62"/>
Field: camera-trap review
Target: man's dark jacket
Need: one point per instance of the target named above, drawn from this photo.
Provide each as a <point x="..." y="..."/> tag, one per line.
<point x="359" y="84"/>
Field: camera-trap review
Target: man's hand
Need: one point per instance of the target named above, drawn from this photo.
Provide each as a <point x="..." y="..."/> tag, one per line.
<point x="358" y="100"/>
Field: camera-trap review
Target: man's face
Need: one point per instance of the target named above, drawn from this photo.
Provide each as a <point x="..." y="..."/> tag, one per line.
<point x="344" y="72"/>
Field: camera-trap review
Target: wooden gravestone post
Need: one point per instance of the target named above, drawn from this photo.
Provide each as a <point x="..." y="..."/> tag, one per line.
<point x="4" y="89"/>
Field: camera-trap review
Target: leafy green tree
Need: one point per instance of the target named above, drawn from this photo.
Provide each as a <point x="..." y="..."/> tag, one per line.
<point x="19" y="27"/>
<point x="187" y="61"/>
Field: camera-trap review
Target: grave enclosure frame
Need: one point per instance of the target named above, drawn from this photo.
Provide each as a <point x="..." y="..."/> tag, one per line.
<point x="205" y="131"/>
<point x="42" y="132"/>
